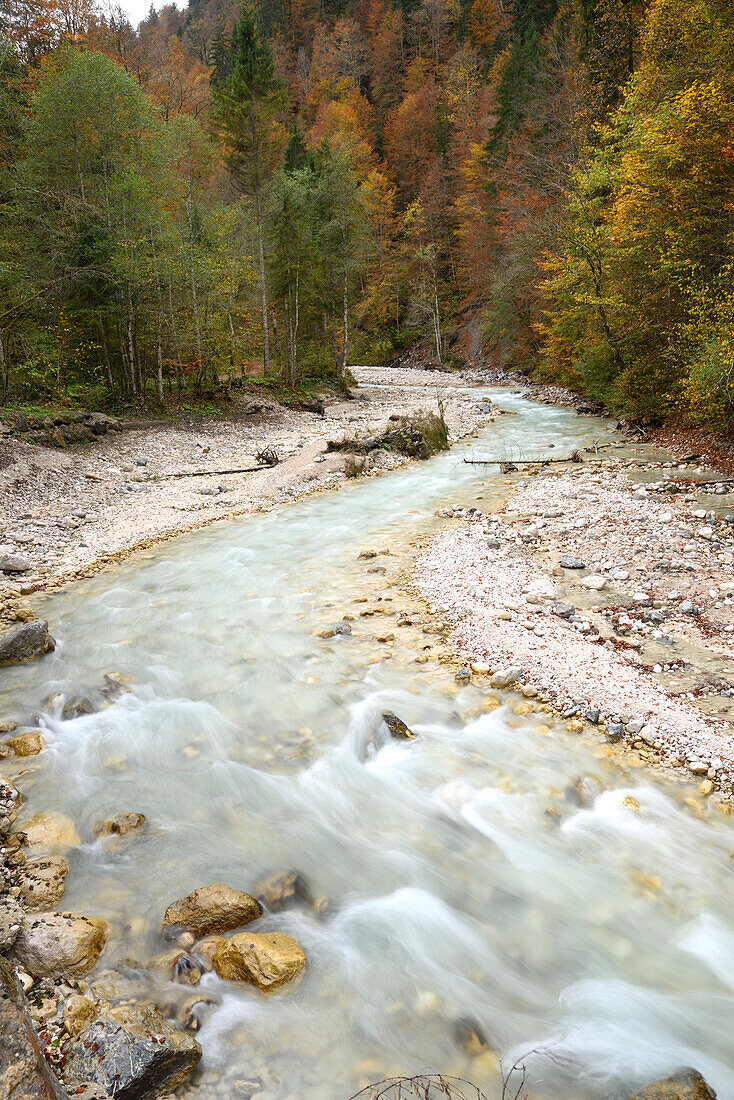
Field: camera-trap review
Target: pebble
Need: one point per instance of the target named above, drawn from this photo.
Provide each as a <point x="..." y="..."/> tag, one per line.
<point x="569" y="562"/>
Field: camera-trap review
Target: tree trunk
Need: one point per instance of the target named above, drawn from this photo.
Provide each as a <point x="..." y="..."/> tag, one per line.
<point x="345" y="342"/>
<point x="3" y="368"/>
<point x="263" y="284"/>
<point x="159" y="372"/>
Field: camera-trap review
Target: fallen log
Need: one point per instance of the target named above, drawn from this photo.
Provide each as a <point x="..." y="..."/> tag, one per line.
<point x="509" y="462"/>
<point x="211" y="473"/>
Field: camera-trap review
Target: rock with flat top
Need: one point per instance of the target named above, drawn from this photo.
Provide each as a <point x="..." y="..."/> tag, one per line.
<point x="687" y="1084"/>
<point x="215" y="908"/>
<point x="266" y="960"/>
<point x="133" y="1053"/>
<point x="14" y="563"/>
<point x="42" y="882"/>
<point x="51" y="830"/>
<point x="55" y="945"/>
<point x="26" y="642"/>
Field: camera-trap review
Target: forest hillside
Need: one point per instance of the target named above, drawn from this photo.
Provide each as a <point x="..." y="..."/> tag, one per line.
<point x="274" y="192"/>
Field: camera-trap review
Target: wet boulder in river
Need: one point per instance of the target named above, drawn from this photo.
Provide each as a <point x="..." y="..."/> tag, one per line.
<point x="120" y="825"/>
<point x="133" y="1053"/>
<point x="284" y="890"/>
<point x="397" y="727"/>
<point x="51" y="830"/>
<point x="27" y="743"/>
<point x="266" y="960"/>
<point x="687" y="1084"/>
<point x="26" y="642"/>
<point x="215" y="908"/>
<point x="470" y="1035"/>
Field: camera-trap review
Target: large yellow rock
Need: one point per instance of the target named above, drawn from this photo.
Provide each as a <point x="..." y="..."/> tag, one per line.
<point x="55" y="945"/>
<point x="687" y="1084"/>
<point x="267" y="960"/>
<point x="27" y="743"/>
<point x="51" y="830"/>
<point x="215" y="908"/>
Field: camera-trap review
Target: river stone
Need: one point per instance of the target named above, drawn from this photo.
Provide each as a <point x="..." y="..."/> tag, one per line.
<point x="11" y="916"/>
<point x="133" y="1053"/>
<point x="26" y="642"/>
<point x="687" y="1084"/>
<point x="55" y="945"/>
<point x="51" y="830"/>
<point x="397" y="727"/>
<point x="206" y="949"/>
<point x="10" y="801"/>
<point x="79" y="1012"/>
<point x="284" y="890"/>
<point x="120" y="825"/>
<point x="470" y="1036"/>
<point x="267" y="960"/>
<point x="14" y="563"/>
<point x="503" y="677"/>
<point x="568" y="561"/>
<point x="27" y="743"/>
<point x="215" y="908"/>
<point x="42" y="883"/>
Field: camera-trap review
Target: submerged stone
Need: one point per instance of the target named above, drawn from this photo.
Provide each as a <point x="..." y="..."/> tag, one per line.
<point x="120" y="825"/>
<point x="284" y="890"/>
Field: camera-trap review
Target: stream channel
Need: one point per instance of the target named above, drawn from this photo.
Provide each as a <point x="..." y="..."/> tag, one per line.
<point x="464" y="879"/>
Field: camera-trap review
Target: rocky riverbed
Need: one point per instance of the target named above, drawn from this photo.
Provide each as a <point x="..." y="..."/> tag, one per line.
<point x="66" y="513"/>
<point x="600" y="591"/>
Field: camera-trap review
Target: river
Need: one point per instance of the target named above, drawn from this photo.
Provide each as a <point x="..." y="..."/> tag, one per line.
<point x="464" y="878"/>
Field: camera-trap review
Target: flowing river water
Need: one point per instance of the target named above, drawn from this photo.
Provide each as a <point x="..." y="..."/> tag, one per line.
<point x="464" y="878"/>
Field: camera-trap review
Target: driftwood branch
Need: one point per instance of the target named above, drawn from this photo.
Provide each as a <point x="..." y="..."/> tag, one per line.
<point x="513" y="463"/>
<point x="213" y="473"/>
<point x="266" y="458"/>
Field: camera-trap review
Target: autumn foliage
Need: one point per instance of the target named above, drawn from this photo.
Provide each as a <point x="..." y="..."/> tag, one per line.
<point x="555" y="173"/>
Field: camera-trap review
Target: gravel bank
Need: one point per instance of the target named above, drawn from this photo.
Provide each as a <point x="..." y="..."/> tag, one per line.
<point x="605" y="598"/>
